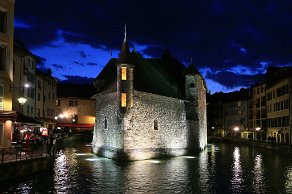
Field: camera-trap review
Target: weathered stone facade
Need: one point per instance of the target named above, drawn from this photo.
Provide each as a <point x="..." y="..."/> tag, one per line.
<point x="156" y="126"/>
<point x="135" y="124"/>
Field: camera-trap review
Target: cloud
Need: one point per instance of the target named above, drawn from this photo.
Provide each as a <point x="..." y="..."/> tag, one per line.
<point x="223" y="36"/>
<point x="91" y="64"/>
<point x="232" y="80"/>
<point x="82" y="54"/>
<point x="58" y="67"/>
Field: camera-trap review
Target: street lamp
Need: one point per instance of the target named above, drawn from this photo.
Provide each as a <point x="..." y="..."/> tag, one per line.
<point x="21" y="100"/>
<point x="257" y="130"/>
<point x="236" y="129"/>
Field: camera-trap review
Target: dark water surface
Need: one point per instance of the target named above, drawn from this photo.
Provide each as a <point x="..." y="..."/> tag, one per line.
<point x="221" y="168"/>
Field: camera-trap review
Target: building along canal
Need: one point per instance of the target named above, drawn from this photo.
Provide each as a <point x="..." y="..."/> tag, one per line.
<point x="221" y="168"/>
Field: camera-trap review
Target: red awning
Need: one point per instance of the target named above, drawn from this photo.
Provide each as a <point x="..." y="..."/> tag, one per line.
<point x="73" y="125"/>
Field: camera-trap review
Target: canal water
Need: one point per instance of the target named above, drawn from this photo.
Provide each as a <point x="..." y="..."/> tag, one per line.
<point x="221" y="168"/>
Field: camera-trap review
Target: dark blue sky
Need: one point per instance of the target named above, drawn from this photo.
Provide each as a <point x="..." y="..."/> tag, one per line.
<point x="230" y="42"/>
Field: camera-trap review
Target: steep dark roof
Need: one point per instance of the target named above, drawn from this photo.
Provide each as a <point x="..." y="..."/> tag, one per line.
<point x="163" y="76"/>
<point x="125" y="54"/>
<point x="276" y="74"/>
<point x="191" y="70"/>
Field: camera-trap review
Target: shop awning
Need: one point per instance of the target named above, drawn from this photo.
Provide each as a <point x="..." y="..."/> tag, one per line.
<point x="8" y="115"/>
<point x="25" y="119"/>
<point x="74" y="125"/>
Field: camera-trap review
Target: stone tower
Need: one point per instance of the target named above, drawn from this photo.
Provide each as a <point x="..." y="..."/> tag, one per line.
<point x="195" y="94"/>
<point x="125" y="78"/>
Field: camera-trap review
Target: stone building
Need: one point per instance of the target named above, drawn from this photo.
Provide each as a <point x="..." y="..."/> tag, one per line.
<point x="24" y="74"/>
<point x="147" y="108"/>
<point x="257" y="114"/>
<point x="45" y="99"/>
<point x="6" y="63"/>
<point x="235" y="118"/>
<point x="75" y="109"/>
<point x="74" y="113"/>
<point x="279" y="95"/>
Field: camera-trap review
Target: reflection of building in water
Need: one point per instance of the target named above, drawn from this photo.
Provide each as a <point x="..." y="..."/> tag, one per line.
<point x="149" y="108"/>
<point x="288" y="183"/>
<point x="204" y="172"/>
<point x="258" y="179"/>
<point x="237" y="179"/>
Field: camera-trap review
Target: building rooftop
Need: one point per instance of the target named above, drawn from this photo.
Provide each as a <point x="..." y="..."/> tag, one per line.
<point x="276" y="74"/>
<point x="163" y="76"/>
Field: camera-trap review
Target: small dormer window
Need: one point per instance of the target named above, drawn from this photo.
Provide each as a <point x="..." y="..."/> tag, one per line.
<point x="123" y="99"/>
<point x="124" y="73"/>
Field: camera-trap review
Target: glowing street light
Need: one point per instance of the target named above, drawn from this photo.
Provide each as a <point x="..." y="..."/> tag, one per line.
<point x="258" y="128"/>
<point x="21" y="100"/>
<point x="61" y="116"/>
<point x="236" y="128"/>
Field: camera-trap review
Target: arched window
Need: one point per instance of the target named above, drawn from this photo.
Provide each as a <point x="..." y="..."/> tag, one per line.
<point x="155" y="125"/>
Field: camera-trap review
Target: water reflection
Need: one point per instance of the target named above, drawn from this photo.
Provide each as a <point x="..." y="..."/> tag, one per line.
<point x="65" y="169"/>
<point x="236" y="181"/>
<point x="288" y="183"/>
<point x="204" y="171"/>
<point x="221" y="168"/>
<point x="258" y="178"/>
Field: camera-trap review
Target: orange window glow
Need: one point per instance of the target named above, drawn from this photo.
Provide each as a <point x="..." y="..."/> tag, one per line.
<point x="123" y="99"/>
<point x="124" y="73"/>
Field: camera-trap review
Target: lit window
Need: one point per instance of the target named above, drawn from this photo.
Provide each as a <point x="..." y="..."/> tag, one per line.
<point x="123" y="99"/>
<point x="124" y="73"/>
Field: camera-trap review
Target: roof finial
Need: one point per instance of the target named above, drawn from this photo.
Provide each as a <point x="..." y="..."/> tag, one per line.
<point x="125" y="38"/>
<point x="191" y="60"/>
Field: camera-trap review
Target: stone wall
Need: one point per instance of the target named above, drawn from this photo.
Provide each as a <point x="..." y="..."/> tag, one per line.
<point x="202" y="112"/>
<point x="107" y="136"/>
<point x="155" y="124"/>
<point x="12" y="170"/>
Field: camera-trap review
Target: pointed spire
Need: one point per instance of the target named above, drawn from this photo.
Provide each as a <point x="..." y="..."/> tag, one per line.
<point x="191" y="60"/>
<point x="111" y="54"/>
<point x="125" y="38"/>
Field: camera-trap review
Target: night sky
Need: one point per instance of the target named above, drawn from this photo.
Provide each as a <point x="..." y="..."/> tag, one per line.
<point x="231" y="42"/>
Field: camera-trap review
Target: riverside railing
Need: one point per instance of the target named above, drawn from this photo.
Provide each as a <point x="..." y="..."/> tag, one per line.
<point x="22" y="152"/>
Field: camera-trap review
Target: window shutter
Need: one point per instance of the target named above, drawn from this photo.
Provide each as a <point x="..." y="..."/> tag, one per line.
<point x="1" y="97"/>
<point x="7" y="69"/>
<point x="8" y="24"/>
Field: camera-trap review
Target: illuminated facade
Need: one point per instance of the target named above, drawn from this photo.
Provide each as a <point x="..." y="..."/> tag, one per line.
<point x="279" y="111"/>
<point x="24" y="72"/>
<point x="257" y="113"/>
<point x="148" y="108"/>
<point x="6" y="65"/>
<point x="75" y="113"/>
<point x="45" y="98"/>
<point x="235" y="118"/>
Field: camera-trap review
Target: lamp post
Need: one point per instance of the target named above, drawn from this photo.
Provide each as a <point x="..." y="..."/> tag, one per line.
<point x="236" y="129"/>
<point x="257" y="131"/>
<point x="21" y="100"/>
